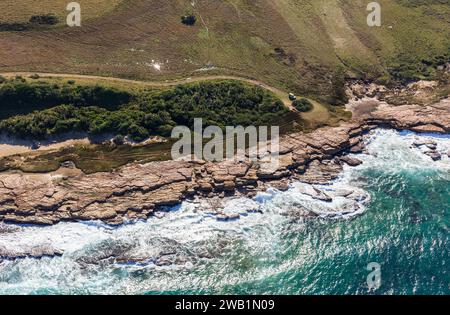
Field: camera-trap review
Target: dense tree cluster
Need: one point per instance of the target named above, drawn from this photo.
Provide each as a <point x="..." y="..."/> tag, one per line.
<point x="19" y="97"/>
<point x="96" y="109"/>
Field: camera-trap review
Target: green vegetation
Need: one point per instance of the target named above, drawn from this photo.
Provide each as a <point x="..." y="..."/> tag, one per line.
<point x="13" y="27"/>
<point x="418" y="3"/>
<point x="338" y="95"/>
<point x="18" y="11"/>
<point x="44" y="19"/>
<point x="19" y="78"/>
<point x="306" y="47"/>
<point x="188" y="19"/>
<point x="407" y="70"/>
<point x="98" y="110"/>
<point x="35" y="22"/>
<point x="303" y="105"/>
<point x="20" y="97"/>
<point x="410" y="45"/>
<point x="119" y="140"/>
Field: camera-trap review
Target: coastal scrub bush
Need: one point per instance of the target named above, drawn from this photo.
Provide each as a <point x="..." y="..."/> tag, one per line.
<point x="118" y="140"/>
<point x="188" y="19"/>
<point x="406" y="70"/>
<point x="86" y="109"/>
<point x="2" y="79"/>
<point x="338" y="95"/>
<point x="19" y="78"/>
<point x="302" y="105"/>
<point x="19" y="97"/>
<point x="44" y="19"/>
<point x="13" y="27"/>
<point x="35" y="21"/>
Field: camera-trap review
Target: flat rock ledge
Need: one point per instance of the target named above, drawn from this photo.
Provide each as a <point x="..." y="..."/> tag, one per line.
<point x="136" y="191"/>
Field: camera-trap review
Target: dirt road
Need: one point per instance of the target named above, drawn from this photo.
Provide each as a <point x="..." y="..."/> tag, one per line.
<point x="318" y="114"/>
<point x="281" y="94"/>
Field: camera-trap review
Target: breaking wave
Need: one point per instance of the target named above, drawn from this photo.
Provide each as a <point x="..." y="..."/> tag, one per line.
<point x="312" y="239"/>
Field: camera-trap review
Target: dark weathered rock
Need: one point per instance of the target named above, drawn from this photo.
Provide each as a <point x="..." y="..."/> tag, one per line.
<point x="358" y="148"/>
<point x="435" y="156"/>
<point x="282" y="185"/>
<point x="432" y="145"/>
<point x="351" y="161"/>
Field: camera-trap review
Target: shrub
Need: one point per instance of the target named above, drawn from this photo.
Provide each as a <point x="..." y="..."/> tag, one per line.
<point x="13" y="27"/>
<point x="99" y="110"/>
<point x="2" y="79"/>
<point x="34" y="76"/>
<point x="44" y="19"/>
<point x="302" y="105"/>
<point x="19" y="97"/>
<point x="338" y="95"/>
<point x="118" y="140"/>
<point x="138" y="133"/>
<point x="188" y="19"/>
<point x="20" y="79"/>
<point x="71" y="82"/>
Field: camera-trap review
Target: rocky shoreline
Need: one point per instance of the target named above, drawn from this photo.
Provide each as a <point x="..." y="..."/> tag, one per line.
<point x="137" y="191"/>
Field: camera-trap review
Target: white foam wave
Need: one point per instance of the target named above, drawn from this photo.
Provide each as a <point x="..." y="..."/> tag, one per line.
<point x="100" y="259"/>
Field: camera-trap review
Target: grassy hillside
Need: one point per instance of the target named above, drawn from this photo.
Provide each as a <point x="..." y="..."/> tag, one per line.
<point x="306" y="46"/>
<point x="20" y="11"/>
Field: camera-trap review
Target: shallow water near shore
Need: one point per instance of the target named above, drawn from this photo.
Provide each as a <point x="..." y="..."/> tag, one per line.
<point x="272" y="248"/>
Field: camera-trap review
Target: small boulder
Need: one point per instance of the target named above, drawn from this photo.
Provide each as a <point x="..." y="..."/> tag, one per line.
<point x="425" y="142"/>
<point x="351" y="161"/>
<point x="315" y="193"/>
<point x="228" y="217"/>
<point x="359" y="148"/>
<point x="431" y="146"/>
<point x="435" y="156"/>
<point x="229" y="185"/>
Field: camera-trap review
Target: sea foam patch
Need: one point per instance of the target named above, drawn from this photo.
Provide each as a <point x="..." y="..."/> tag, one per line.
<point x="170" y="251"/>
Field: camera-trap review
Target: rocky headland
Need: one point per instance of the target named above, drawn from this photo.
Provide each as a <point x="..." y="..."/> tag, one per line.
<point x="137" y="191"/>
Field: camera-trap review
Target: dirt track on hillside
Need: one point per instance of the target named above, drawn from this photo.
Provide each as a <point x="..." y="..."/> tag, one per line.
<point x="281" y="94"/>
<point x="319" y="114"/>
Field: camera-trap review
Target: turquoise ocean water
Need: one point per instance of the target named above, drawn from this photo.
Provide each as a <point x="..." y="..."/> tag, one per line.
<point x="404" y="228"/>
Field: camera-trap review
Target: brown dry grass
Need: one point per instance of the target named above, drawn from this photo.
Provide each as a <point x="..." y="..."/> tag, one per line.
<point x="237" y="37"/>
<point x="22" y="10"/>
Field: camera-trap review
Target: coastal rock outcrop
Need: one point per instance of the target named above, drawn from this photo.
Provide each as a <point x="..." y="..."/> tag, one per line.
<point x="136" y="191"/>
